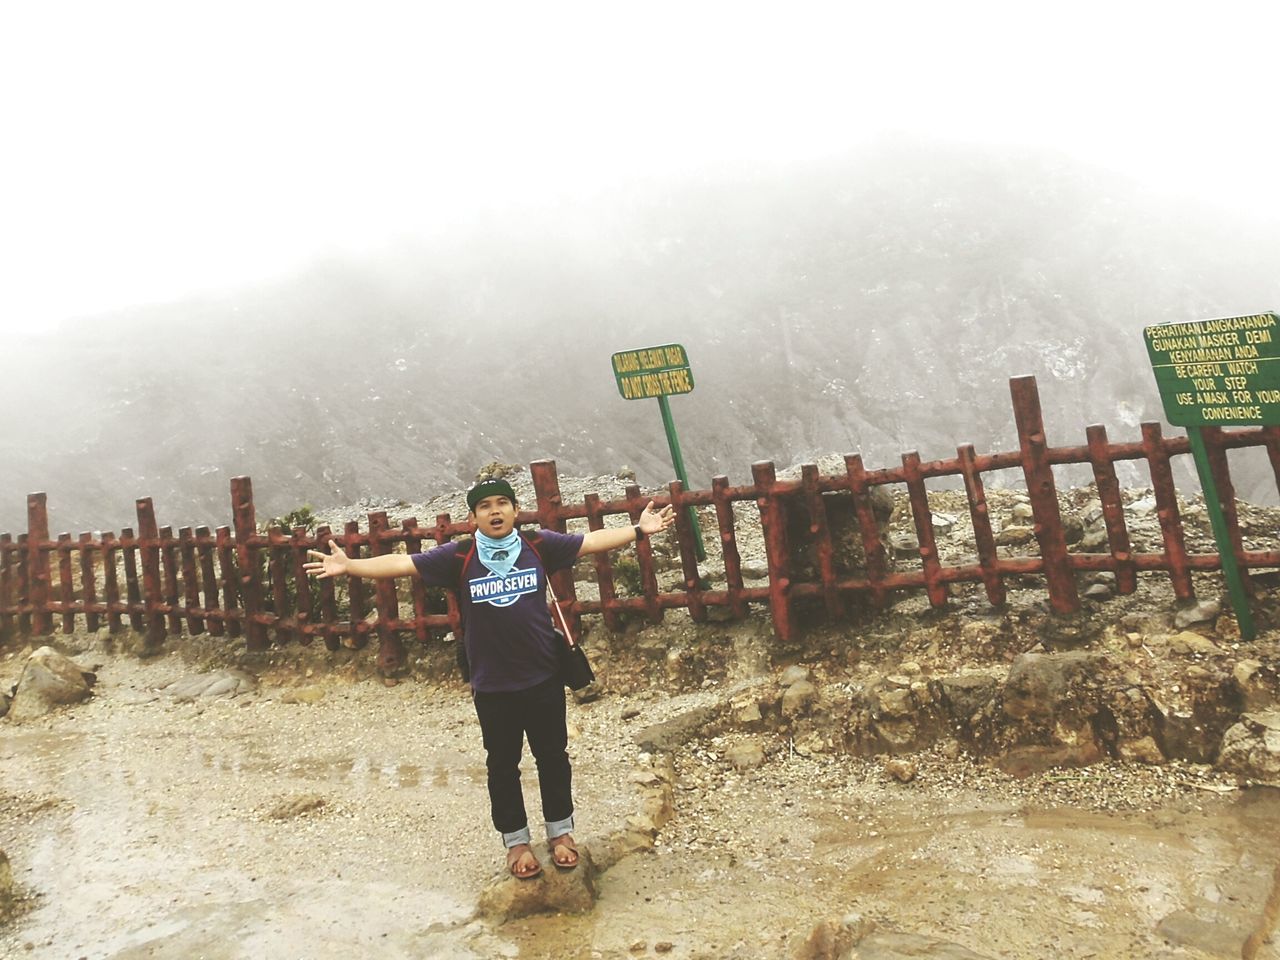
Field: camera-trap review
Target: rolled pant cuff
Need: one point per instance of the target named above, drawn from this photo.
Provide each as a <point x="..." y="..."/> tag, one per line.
<point x="558" y="828"/>
<point x="517" y="837"/>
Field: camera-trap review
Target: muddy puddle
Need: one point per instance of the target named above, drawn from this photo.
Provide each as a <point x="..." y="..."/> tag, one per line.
<point x="950" y="882"/>
<point x="357" y="827"/>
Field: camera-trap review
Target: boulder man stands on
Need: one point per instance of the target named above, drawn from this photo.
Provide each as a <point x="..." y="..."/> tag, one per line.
<point x="512" y="650"/>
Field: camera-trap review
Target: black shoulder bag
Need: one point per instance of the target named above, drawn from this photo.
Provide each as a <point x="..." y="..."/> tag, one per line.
<point x="575" y="669"/>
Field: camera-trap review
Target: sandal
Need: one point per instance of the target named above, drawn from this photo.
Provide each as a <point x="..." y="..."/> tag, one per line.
<point x="521" y="862"/>
<point x="564" y="852"/>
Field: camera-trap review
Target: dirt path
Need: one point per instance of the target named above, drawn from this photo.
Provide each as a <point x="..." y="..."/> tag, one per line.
<point x="357" y="826"/>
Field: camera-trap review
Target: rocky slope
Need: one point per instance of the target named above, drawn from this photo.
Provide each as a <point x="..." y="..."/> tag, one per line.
<point x="874" y="302"/>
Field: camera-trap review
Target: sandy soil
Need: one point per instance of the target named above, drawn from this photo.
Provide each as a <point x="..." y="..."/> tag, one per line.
<point x="357" y="826"/>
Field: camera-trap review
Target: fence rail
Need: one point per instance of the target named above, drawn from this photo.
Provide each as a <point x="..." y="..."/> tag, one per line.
<point x="239" y="581"/>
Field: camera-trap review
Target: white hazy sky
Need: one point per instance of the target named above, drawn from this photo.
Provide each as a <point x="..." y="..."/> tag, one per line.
<point x="152" y="150"/>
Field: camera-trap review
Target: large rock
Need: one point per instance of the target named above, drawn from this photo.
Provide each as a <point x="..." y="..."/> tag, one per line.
<point x="1093" y="533"/>
<point x="1191" y="719"/>
<point x="746" y="754"/>
<point x="1041" y="684"/>
<point x="855" y="938"/>
<point x="1202" y="611"/>
<point x="902" y="715"/>
<point x="1216" y="934"/>
<point x="675" y="732"/>
<point x="655" y="776"/>
<point x="1251" y="748"/>
<point x="1069" y="631"/>
<point x="1071" y="747"/>
<point x="1191" y="644"/>
<point x="1257" y="684"/>
<point x="1094" y="540"/>
<point x="964" y="694"/>
<point x="798" y="698"/>
<point x="893" y="945"/>
<point x="1015" y="536"/>
<point x="49" y="680"/>
<point x="894" y="703"/>
<point x="1054" y="696"/>
<point x="846" y="533"/>
<point x="211" y="686"/>
<point x="834" y="939"/>
<point x="555" y="891"/>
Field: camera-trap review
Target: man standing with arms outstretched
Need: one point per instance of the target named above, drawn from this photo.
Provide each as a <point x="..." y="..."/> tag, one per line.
<point x="512" y="649"/>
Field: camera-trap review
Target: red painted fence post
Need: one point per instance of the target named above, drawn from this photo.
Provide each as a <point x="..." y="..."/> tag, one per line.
<point x="877" y="561"/>
<point x="22" y="592"/>
<point x="88" y="582"/>
<point x="980" y="516"/>
<point x="328" y="596"/>
<point x="546" y="488"/>
<point x="229" y="581"/>
<point x="820" y="532"/>
<point x="246" y="526"/>
<point x="1044" y="495"/>
<point x="66" y="592"/>
<point x="417" y="591"/>
<point x="111" y="582"/>
<point x="644" y="557"/>
<point x="301" y="586"/>
<point x="443" y="521"/>
<point x="38" y="564"/>
<point x="204" y="548"/>
<point x="390" y="649"/>
<point x="1166" y="494"/>
<point x="1104" y="478"/>
<point x="152" y="594"/>
<point x="278" y="572"/>
<point x="729" y="545"/>
<point x="923" y="519"/>
<point x="686" y="537"/>
<point x="133" y="591"/>
<point x="773" y="521"/>
<point x="604" y="567"/>
<point x="169" y="565"/>
<point x="190" y="580"/>
<point x="7" y="599"/>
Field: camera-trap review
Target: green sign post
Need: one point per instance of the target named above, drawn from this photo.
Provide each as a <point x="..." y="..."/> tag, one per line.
<point x="660" y="372"/>
<point x="1217" y="373"/>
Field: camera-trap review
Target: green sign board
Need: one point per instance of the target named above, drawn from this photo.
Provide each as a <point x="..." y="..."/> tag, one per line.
<point x="659" y="372"/>
<point x="652" y="372"/>
<point x="1216" y="373"/>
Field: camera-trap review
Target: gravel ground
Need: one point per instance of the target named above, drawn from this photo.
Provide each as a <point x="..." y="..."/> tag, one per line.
<point x="357" y="824"/>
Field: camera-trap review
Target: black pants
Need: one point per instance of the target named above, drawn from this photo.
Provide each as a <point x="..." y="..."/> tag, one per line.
<point x="505" y="720"/>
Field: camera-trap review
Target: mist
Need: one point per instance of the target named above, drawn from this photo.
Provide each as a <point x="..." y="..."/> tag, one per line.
<point x="876" y="301"/>
<point x="361" y="256"/>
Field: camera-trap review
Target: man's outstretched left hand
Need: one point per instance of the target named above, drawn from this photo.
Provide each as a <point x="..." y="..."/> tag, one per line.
<point x="655" y="521"/>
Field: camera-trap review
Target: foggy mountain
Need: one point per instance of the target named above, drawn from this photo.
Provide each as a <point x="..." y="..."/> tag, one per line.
<point x="874" y="302"/>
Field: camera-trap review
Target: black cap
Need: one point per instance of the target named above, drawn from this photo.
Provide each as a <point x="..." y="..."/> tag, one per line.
<point x="491" y="487"/>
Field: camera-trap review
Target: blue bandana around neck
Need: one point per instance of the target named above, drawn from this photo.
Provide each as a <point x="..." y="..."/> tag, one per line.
<point x="498" y="556"/>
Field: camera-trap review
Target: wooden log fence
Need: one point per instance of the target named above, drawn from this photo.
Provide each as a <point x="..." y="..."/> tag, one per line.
<point x="240" y="581"/>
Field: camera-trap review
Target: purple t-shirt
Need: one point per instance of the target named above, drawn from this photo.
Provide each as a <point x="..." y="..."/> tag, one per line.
<point x="509" y="638"/>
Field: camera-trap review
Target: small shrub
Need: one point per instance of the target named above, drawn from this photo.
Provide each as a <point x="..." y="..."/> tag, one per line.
<point x="302" y="517"/>
<point x="626" y="576"/>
